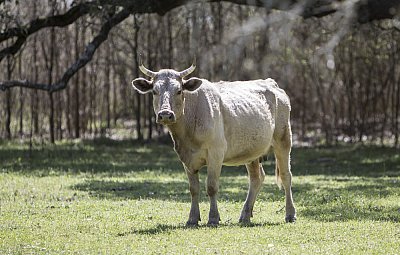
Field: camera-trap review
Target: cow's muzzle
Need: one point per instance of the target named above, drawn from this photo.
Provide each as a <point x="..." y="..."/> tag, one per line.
<point x="166" y="117"/>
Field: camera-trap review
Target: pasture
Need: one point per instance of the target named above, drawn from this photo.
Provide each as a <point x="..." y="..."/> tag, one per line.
<point x="107" y="197"/>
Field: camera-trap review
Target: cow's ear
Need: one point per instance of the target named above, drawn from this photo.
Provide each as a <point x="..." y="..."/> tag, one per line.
<point x="142" y="85"/>
<point x="192" y="84"/>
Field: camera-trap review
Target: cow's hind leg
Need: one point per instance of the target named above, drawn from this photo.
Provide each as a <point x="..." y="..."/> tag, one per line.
<point x="194" y="187"/>
<point x="256" y="178"/>
<point x="282" y="148"/>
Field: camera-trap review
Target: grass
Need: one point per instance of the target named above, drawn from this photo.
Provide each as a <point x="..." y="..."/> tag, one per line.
<point x="121" y="198"/>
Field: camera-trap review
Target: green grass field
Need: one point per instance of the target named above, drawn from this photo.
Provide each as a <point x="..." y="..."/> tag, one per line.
<point x="120" y="198"/>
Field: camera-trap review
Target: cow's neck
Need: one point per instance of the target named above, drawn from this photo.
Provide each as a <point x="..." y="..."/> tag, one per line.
<point x="182" y="133"/>
<point x="178" y="133"/>
<point x="182" y="130"/>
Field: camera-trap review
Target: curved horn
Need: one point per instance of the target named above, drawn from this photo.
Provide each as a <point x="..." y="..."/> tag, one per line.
<point x="145" y="70"/>
<point x="188" y="71"/>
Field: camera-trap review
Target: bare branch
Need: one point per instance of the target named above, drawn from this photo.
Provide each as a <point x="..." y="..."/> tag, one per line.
<point x="22" y="33"/>
<point x="81" y="62"/>
<point x="91" y="48"/>
<point x="54" y="21"/>
<point x="23" y="83"/>
<point x="74" y="13"/>
<point x="365" y="11"/>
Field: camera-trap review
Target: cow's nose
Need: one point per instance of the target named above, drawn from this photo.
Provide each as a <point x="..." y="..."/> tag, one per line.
<point x="166" y="116"/>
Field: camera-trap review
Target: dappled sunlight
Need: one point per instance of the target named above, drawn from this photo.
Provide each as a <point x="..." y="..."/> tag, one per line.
<point x="350" y="198"/>
<point x="114" y="159"/>
<point x="176" y="190"/>
<point x="139" y="195"/>
<point x="346" y="160"/>
<point x="329" y="184"/>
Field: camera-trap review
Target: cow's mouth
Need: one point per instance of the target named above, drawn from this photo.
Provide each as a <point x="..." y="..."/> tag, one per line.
<point x="165" y="122"/>
<point x="166" y="117"/>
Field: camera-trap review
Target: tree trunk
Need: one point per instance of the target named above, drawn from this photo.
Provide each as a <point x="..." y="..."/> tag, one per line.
<point x="137" y="95"/>
<point x="114" y="95"/>
<point x="50" y="80"/>
<point x="21" y="102"/>
<point x="51" y="117"/>
<point x="83" y="85"/>
<point x="8" y="99"/>
<point x="107" y="85"/>
<point x="34" y="95"/>
<point x="76" y="90"/>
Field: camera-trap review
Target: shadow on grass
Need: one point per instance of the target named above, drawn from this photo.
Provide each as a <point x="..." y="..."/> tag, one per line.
<point x="348" y="211"/>
<point x="162" y="228"/>
<point x="347" y="160"/>
<point x="354" y="169"/>
<point x="177" y="190"/>
<point x="115" y="158"/>
<point x="172" y="190"/>
<point x="355" y="200"/>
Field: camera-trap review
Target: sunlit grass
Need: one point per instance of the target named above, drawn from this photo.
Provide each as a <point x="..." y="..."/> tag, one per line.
<point x="121" y="198"/>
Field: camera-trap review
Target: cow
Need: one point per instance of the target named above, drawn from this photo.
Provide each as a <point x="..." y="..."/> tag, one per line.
<point x="223" y="123"/>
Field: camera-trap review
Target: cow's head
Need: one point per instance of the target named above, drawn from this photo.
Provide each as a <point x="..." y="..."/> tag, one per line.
<point x="167" y="86"/>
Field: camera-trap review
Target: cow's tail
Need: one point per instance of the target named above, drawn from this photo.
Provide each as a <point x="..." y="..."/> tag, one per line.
<point x="277" y="175"/>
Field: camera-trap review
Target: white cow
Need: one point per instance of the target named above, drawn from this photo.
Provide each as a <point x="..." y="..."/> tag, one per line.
<point x="224" y="123"/>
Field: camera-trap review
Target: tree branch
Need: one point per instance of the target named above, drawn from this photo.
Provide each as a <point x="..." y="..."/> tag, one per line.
<point x="23" y="83"/>
<point x="74" y="13"/>
<point x="366" y="10"/>
<point x="81" y="62"/>
<point x="22" y="33"/>
<point x="53" y="21"/>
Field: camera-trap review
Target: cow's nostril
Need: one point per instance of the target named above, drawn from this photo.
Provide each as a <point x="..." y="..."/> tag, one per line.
<point x="166" y="115"/>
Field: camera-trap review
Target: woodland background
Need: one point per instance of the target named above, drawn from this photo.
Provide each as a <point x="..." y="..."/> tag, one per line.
<point x="343" y="77"/>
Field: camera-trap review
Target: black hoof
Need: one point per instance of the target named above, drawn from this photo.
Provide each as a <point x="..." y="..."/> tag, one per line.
<point x="244" y="221"/>
<point x="290" y="219"/>
<point x="192" y="224"/>
<point x="213" y="223"/>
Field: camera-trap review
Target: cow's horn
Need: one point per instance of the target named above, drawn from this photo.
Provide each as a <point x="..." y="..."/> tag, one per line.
<point x="145" y="70"/>
<point x="188" y="71"/>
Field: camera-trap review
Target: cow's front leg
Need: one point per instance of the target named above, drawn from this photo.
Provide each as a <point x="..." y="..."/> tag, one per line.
<point x="194" y="188"/>
<point x="213" y="173"/>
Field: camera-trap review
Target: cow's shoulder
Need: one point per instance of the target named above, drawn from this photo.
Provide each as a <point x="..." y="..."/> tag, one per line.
<point x="202" y="114"/>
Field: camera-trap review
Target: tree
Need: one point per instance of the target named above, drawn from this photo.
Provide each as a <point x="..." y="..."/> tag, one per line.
<point x="119" y="10"/>
<point x="339" y="71"/>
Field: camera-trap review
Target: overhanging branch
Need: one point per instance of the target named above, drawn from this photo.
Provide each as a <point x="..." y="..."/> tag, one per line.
<point x="81" y="62"/>
<point x="22" y="33"/>
<point x="365" y="11"/>
<point x="23" y="83"/>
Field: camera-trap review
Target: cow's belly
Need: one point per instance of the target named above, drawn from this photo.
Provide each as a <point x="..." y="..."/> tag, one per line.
<point x="248" y="138"/>
<point x="248" y="122"/>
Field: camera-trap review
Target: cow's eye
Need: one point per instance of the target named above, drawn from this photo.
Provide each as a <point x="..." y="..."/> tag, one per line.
<point x="179" y="92"/>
